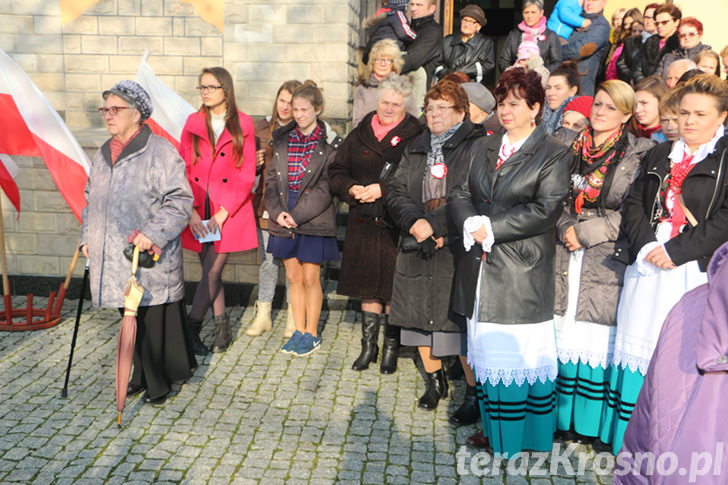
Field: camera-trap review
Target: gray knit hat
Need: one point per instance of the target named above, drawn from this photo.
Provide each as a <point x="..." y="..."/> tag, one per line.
<point x="134" y="94"/>
<point x="479" y="96"/>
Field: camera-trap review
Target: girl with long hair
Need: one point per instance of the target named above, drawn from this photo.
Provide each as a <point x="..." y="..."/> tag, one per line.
<point x="218" y="147"/>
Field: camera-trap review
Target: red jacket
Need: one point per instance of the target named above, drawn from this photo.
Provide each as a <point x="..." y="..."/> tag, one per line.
<point x="229" y="186"/>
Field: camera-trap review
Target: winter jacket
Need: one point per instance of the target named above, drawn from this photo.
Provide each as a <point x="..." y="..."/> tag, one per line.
<point x="651" y="55"/>
<point x="421" y="289"/>
<point x="215" y="175"/>
<point x="704" y="192"/>
<point x="629" y="58"/>
<point x="676" y="55"/>
<point x="145" y="189"/>
<point x="597" y="229"/>
<point x="523" y="200"/>
<point x="598" y="33"/>
<point x="314" y="210"/>
<point x="476" y="57"/>
<point x="370" y="247"/>
<point x="565" y="17"/>
<point x="680" y="409"/>
<point x="549" y="46"/>
<point x="425" y="50"/>
<point x="262" y="142"/>
<point x="388" y="24"/>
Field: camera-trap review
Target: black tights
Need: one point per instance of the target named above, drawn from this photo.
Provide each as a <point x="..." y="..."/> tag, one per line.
<point x="209" y="291"/>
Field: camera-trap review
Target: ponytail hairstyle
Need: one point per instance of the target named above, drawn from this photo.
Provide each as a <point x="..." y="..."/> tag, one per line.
<point x="232" y="119"/>
<point x="289" y="86"/>
<point x="569" y="70"/>
<point x="309" y="91"/>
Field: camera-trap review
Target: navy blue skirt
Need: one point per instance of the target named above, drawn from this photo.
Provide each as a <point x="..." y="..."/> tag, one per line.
<point x="306" y="249"/>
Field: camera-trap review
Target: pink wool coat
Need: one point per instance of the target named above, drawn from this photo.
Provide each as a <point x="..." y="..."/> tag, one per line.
<point x="229" y="186"/>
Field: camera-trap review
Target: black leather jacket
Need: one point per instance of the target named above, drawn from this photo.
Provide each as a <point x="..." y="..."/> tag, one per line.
<point x="651" y="55"/>
<point x="476" y="57"/>
<point x="629" y="58"/>
<point x="524" y="200"/>
<point x="704" y="191"/>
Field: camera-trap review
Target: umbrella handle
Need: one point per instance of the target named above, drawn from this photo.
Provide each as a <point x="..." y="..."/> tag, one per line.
<point x="135" y="261"/>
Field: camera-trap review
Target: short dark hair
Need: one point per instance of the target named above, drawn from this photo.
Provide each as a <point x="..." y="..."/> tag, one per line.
<point x="708" y="84"/>
<point x="450" y="91"/>
<point x="570" y="71"/>
<point x="670" y="8"/>
<point x="524" y="84"/>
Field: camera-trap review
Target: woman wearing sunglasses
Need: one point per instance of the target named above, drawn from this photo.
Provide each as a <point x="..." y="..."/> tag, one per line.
<point x="218" y="146"/>
<point x="667" y="20"/>
<point x="690" y="36"/>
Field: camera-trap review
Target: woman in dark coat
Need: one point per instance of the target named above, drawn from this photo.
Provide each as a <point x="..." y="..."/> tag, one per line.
<point x="509" y="205"/>
<point x="675" y="217"/>
<point x="468" y="51"/>
<point x="370" y="247"/>
<point x="532" y="28"/>
<point x="667" y="19"/>
<point x="604" y="161"/>
<point x="416" y="201"/>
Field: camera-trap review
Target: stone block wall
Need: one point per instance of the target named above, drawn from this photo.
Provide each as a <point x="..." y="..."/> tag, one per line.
<point x="264" y="43"/>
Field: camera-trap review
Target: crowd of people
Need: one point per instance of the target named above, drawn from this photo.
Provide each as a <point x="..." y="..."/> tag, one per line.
<point x="535" y="236"/>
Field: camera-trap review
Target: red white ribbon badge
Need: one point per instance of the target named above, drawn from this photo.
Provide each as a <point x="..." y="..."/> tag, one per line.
<point x="439" y="170"/>
<point x="395" y="141"/>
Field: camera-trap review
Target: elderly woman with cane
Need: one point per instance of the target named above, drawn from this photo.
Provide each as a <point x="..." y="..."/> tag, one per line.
<point x="137" y="187"/>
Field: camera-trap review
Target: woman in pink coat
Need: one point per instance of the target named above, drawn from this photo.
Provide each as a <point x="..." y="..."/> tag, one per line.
<point x="218" y="146"/>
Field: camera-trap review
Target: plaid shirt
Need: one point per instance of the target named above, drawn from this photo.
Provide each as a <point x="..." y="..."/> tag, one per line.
<point x="300" y="149"/>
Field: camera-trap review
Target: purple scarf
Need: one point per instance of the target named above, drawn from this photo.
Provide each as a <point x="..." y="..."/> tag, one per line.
<point x="534" y="33"/>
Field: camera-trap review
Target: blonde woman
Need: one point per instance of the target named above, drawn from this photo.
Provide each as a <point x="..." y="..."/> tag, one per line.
<point x="384" y="59"/>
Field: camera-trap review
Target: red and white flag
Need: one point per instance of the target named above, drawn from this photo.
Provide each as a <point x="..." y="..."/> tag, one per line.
<point x="31" y="127"/>
<point x="170" y="111"/>
<point x="8" y="171"/>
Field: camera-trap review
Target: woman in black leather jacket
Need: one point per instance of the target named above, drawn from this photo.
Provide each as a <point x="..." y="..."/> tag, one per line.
<point x="468" y="51"/>
<point x="506" y="211"/>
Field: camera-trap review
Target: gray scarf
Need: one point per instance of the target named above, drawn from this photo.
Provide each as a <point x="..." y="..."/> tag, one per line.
<point x="434" y="188"/>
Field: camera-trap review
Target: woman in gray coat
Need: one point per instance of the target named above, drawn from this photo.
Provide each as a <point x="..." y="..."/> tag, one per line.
<point x="604" y="161"/>
<point x="137" y="191"/>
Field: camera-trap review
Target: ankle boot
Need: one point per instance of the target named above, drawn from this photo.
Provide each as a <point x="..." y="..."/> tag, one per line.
<point x="262" y="322"/>
<point x="390" y="348"/>
<point x="223" y="334"/>
<point x="436" y="389"/>
<point x="290" y="324"/>
<point x="370" y="335"/>
<point x="197" y="346"/>
<point x="469" y="410"/>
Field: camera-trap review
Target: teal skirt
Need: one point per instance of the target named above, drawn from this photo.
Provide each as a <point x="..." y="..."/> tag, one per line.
<point x="624" y="387"/>
<point x="517" y="418"/>
<point x="582" y="396"/>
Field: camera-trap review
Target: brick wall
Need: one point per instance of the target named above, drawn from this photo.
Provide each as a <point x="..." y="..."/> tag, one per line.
<point x="264" y="44"/>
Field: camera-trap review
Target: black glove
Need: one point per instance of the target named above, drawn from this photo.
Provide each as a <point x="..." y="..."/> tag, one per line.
<point x="427" y="249"/>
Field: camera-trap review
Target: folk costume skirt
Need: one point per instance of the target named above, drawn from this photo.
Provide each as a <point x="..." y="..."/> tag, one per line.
<point x="647" y="297"/>
<point x="585" y="355"/>
<point x="515" y="367"/>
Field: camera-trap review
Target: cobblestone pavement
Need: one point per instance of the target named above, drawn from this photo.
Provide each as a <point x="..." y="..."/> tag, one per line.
<point x="249" y="415"/>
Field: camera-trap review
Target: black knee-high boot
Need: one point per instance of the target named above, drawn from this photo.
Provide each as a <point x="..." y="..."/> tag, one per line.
<point x="369" y="337"/>
<point x="390" y="348"/>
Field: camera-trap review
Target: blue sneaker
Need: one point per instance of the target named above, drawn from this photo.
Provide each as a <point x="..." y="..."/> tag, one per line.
<point x="307" y="345"/>
<point x="292" y="343"/>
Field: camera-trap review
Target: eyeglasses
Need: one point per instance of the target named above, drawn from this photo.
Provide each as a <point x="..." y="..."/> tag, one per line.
<point x="648" y="17"/>
<point x="111" y="110"/>
<point x="384" y="60"/>
<point x="208" y="89"/>
<point x="437" y="109"/>
<point x="468" y="20"/>
<point x="663" y="22"/>
<point x="687" y="34"/>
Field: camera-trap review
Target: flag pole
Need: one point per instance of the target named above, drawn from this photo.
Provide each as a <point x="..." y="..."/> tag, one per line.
<point x="3" y="255"/>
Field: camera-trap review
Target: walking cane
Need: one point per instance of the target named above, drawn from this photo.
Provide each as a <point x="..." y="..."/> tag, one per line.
<point x="64" y="392"/>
